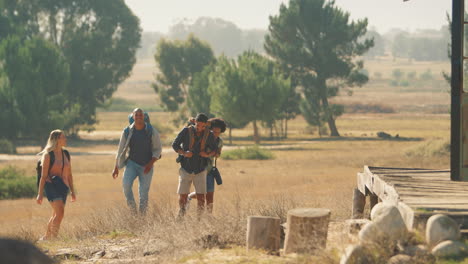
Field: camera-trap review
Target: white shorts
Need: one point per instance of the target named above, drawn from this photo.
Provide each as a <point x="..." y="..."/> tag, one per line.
<point x="186" y="179"/>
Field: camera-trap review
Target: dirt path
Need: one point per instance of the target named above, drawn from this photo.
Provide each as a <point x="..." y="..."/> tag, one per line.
<point x="12" y="157"/>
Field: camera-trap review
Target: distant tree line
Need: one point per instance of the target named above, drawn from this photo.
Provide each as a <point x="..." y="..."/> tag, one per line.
<point x="223" y="36"/>
<point x="226" y="38"/>
<point x="313" y="51"/>
<point x="59" y="61"/>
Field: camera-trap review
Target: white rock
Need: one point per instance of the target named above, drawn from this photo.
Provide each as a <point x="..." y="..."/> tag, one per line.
<point x="389" y="220"/>
<point x="449" y="248"/>
<point x="378" y="209"/>
<point x="371" y="233"/>
<point x="440" y="228"/>
<point x="400" y="259"/>
<point x="387" y="225"/>
<point x="356" y="254"/>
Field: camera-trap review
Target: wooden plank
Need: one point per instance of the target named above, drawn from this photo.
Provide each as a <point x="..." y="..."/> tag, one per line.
<point x="418" y="193"/>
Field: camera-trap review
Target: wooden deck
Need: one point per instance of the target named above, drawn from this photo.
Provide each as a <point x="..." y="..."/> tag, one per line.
<point x="418" y="193"/>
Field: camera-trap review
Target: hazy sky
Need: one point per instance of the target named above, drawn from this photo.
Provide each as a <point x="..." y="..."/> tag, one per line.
<point x="159" y="15"/>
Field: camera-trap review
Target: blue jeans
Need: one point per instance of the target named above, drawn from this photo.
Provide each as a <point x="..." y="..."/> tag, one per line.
<point x="210" y="182"/>
<point x="133" y="170"/>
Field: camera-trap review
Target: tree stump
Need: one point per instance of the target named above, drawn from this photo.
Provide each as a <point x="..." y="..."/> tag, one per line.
<point x="307" y="230"/>
<point x="359" y="202"/>
<point x="263" y="232"/>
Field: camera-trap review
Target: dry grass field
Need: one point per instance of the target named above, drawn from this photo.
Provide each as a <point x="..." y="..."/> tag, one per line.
<point x="308" y="171"/>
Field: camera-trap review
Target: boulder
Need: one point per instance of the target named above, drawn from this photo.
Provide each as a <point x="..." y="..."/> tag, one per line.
<point x="400" y="259"/>
<point x="389" y="220"/>
<point x="449" y="248"/>
<point x="370" y="233"/>
<point x="18" y="251"/>
<point x="439" y="228"/>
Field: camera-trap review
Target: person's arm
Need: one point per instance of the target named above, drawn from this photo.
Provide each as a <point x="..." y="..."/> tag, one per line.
<point x="156" y="150"/>
<point x="220" y="148"/>
<point x="156" y="145"/>
<point x="122" y="142"/>
<point x="45" y="160"/>
<point x="211" y="145"/>
<point x="176" y="144"/>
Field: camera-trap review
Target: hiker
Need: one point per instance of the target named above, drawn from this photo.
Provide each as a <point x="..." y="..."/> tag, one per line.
<point x="143" y="145"/>
<point x="217" y="126"/>
<point x="193" y="143"/>
<point x="56" y="179"/>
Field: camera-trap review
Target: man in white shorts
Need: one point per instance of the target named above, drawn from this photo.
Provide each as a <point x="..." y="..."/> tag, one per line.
<point x="192" y="143"/>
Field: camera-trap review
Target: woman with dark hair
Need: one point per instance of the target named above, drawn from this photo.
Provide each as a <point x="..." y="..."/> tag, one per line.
<point x="217" y="126"/>
<point x="56" y="180"/>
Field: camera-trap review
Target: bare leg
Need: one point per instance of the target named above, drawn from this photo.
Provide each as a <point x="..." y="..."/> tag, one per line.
<point x="182" y="202"/>
<point x="54" y="222"/>
<point x="209" y="201"/>
<point x="201" y="203"/>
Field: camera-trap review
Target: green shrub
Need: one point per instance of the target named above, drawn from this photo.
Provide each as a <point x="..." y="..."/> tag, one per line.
<point x="13" y="184"/>
<point x="431" y="148"/>
<point x="251" y="153"/>
<point x="7" y="146"/>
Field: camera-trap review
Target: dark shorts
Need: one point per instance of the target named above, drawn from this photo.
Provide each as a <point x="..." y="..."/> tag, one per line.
<point x="53" y="195"/>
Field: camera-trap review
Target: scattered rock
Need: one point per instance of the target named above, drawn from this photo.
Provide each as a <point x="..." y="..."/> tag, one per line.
<point x="383" y="135"/>
<point x="152" y="252"/>
<point x="450" y="248"/>
<point x="99" y="254"/>
<point x="400" y="259"/>
<point x="67" y="254"/>
<point x="439" y="228"/>
<point x="357" y="254"/>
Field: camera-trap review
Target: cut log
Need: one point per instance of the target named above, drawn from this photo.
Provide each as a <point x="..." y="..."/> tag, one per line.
<point x="263" y="232"/>
<point x="307" y="230"/>
<point x="359" y="202"/>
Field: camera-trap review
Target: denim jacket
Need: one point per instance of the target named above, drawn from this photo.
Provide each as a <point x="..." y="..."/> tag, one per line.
<point x="122" y="155"/>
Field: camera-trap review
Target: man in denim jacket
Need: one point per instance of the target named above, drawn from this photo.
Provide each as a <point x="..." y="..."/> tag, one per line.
<point x="139" y="148"/>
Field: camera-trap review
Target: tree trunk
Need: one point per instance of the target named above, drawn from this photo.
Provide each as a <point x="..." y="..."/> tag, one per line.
<point x="230" y="135"/>
<point x="306" y="230"/>
<point x="286" y="128"/>
<point x="256" y="135"/>
<point x="263" y="232"/>
<point x="330" y="120"/>
<point x="271" y="132"/>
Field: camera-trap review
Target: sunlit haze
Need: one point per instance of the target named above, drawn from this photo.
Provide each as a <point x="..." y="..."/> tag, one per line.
<point x="159" y="15"/>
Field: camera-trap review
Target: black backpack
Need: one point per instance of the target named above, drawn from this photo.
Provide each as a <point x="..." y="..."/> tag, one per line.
<point x="52" y="160"/>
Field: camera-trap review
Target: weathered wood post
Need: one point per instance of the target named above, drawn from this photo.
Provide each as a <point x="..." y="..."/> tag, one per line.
<point x="373" y="200"/>
<point x="263" y="232"/>
<point x="359" y="202"/>
<point x="307" y="230"/>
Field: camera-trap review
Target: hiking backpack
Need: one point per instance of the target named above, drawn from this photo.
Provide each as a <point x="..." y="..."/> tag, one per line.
<point x="52" y="160"/>
<point x="148" y="126"/>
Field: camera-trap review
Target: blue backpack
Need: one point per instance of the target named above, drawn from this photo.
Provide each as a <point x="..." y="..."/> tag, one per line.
<point x="148" y="126"/>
